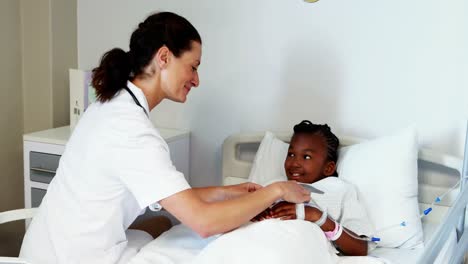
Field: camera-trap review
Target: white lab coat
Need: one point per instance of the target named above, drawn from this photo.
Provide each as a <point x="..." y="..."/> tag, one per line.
<point x="114" y="166"/>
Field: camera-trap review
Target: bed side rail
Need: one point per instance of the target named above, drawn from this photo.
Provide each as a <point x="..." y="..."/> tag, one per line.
<point x="450" y="223"/>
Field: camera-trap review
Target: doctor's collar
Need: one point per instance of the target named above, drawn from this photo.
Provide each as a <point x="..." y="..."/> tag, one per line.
<point x="140" y="96"/>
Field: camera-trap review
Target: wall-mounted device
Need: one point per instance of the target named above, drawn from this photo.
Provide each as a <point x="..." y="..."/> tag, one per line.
<point x="82" y="94"/>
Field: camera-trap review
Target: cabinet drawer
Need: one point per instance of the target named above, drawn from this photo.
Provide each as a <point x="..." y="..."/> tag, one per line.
<point x="36" y="196"/>
<point x="43" y="166"/>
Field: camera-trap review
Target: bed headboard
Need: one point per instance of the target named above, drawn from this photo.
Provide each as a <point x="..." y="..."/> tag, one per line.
<point x="437" y="172"/>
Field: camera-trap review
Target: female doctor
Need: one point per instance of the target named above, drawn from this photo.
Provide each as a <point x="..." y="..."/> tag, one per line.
<point x="116" y="163"/>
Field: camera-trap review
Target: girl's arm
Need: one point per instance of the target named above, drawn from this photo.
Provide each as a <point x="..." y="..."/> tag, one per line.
<point x="209" y="218"/>
<point x="346" y="243"/>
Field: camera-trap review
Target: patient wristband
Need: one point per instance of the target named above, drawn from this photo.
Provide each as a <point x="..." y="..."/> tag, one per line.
<point x="322" y="218"/>
<point x="300" y="211"/>
<point x="335" y="234"/>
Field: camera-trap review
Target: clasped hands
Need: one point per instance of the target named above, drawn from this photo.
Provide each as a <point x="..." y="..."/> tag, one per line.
<point x="287" y="211"/>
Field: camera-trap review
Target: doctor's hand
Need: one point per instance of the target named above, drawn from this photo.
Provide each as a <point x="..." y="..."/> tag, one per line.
<point x="292" y="192"/>
<point x="233" y="191"/>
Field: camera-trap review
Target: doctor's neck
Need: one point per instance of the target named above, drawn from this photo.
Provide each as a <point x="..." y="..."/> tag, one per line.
<point x="151" y="88"/>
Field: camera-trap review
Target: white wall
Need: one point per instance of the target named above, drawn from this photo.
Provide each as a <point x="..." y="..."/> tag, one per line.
<point x="49" y="49"/>
<point x="37" y="44"/>
<point x="11" y="125"/>
<point x="365" y="67"/>
<point x="36" y="65"/>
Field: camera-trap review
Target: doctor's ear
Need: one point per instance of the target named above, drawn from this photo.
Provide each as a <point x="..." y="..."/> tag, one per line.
<point x="162" y="57"/>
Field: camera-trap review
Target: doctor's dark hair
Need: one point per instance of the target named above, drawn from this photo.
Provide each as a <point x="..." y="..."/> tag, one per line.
<point x="158" y="30"/>
<point x="323" y="130"/>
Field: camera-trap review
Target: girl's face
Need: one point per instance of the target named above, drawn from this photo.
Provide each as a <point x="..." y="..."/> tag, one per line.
<point x="307" y="158"/>
<point x="181" y="74"/>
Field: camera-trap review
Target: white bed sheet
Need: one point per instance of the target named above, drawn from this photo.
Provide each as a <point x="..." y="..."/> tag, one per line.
<point x="403" y="256"/>
<point x="397" y="256"/>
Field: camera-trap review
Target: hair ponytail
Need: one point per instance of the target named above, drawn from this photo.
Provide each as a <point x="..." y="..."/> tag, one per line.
<point x="112" y="74"/>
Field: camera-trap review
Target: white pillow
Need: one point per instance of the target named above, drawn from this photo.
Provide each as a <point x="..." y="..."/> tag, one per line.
<point x="384" y="171"/>
<point x="268" y="164"/>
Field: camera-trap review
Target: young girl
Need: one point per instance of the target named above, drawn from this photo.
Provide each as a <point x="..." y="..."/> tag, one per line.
<point x="311" y="159"/>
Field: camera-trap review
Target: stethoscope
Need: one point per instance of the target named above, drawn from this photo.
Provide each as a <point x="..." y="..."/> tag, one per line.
<point x="136" y="100"/>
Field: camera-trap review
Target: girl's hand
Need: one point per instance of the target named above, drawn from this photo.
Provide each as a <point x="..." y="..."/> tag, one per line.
<point x="262" y="216"/>
<point x="233" y="191"/>
<point x="284" y="211"/>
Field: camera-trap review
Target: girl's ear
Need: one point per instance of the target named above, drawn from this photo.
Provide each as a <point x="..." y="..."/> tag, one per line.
<point x="329" y="169"/>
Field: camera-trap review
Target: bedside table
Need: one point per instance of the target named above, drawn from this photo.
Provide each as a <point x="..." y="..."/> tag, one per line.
<point x="42" y="151"/>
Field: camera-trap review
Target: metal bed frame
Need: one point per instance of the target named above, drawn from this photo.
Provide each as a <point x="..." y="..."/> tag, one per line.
<point x="455" y="218"/>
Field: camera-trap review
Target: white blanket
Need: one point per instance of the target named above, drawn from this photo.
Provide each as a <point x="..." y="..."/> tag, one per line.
<point x="178" y="245"/>
<point x="270" y="241"/>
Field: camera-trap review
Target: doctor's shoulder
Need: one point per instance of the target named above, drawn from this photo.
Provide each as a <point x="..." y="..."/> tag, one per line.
<point x="126" y="123"/>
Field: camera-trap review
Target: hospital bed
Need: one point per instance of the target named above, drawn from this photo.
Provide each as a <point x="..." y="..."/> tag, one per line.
<point x="437" y="172"/>
<point x="443" y="228"/>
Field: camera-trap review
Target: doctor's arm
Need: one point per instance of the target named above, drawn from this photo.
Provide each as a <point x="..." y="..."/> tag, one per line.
<point x="220" y="193"/>
<point x="210" y="218"/>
